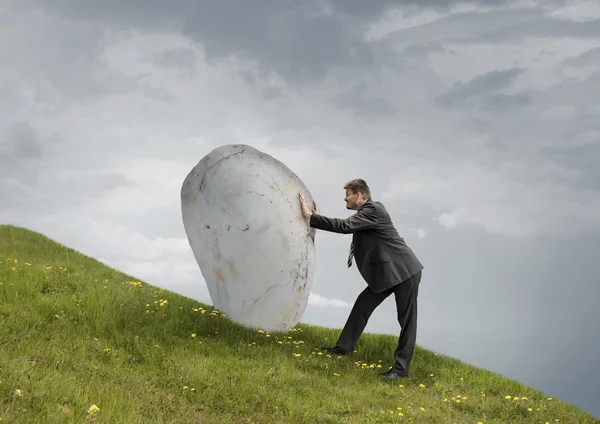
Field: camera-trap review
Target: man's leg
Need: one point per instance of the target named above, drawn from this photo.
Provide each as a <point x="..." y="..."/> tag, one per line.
<point x="365" y="304"/>
<point x="406" y="304"/>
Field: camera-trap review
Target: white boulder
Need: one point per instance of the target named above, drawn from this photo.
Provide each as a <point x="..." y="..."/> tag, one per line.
<point x="255" y="250"/>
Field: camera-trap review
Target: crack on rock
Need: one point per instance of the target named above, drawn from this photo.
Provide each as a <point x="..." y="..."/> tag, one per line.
<point x="301" y="267"/>
<point x="306" y="267"/>
<point x="265" y="293"/>
<point x="281" y="191"/>
<point x="215" y="164"/>
<point x="258" y="194"/>
<point x="216" y="251"/>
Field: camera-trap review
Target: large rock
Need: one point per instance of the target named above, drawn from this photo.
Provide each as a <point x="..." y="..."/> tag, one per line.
<point x="256" y="252"/>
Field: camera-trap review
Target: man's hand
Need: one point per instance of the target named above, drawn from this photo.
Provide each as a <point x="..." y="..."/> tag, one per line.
<point x="305" y="210"/>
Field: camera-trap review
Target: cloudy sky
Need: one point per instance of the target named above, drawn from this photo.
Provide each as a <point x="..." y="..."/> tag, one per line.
<point x="475" y="123"/>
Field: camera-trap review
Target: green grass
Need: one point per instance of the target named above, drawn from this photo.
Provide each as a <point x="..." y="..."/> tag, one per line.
<point x="76" y="333"/>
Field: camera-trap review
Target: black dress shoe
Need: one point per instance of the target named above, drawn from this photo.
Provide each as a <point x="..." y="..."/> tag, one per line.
<point x="336" y="350"/>
<point x="392" y="374"/>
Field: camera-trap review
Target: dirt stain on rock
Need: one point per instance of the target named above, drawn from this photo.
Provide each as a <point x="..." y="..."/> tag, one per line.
<point x="219" y="275"/>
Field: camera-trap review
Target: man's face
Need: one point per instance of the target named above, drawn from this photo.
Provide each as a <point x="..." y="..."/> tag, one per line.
<point x="352" y="199"/>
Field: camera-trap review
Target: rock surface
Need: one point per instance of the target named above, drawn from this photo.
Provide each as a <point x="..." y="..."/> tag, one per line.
<point x="244" y="223"/>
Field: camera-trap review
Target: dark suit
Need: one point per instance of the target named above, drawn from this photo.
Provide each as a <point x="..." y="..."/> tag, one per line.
<point x="388" y="266"/>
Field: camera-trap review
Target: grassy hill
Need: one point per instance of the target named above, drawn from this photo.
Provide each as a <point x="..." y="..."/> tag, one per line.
<point x="82" y="342"/>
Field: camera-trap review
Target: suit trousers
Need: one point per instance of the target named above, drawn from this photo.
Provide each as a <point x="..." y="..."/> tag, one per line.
<point x="406" y="306"/>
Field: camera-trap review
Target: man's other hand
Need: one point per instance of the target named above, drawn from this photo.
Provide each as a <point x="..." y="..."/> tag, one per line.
<point x="305" y="210"/>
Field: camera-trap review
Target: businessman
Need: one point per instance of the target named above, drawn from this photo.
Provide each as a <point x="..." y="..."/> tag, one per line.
<point x="386" y="263"/>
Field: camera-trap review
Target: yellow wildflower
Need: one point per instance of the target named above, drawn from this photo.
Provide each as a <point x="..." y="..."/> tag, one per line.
<point x="93" y="409"/>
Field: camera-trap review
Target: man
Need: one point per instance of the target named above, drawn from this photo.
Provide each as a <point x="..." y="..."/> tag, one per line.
<point x="386" y="263"/>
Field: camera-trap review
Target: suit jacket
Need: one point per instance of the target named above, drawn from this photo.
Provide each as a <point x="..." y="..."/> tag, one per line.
<point x="381" y="255"/>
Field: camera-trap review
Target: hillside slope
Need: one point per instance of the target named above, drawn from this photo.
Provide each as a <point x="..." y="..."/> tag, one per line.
<point x="82" y="342"/>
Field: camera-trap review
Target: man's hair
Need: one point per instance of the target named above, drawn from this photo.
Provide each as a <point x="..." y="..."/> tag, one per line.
<point x="359" y="185"/>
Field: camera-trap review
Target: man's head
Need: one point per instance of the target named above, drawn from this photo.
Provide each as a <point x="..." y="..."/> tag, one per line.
<point x="357" y="193"/>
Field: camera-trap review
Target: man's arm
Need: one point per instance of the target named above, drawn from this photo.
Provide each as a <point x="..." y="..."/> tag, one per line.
<point x="364" y="219"/>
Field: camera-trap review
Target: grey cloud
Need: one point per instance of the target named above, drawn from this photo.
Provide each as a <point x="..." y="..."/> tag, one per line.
<point x="180" y="58"/>
<point x="462" y="26"/>
<point x="150" y="13"/>
<point x="577" y="97"/>
<point x="98" y="182"/>
<point x="158" y="93"/>
<point x="22" y="140"/>
<point x="249" y="77"/>
<point x="582" y="130"/>
<point x="272" y="93"/>
<point x="299" y="41"/>
<point x="590" y="57"/>
<point x="59" y="52"/>
<point x="74" y="187"/>
<point x="160" y="224"/>
<point x="496" y="26"/>
<point x="153" y="15"/>
<point x="294" y="39"/>
<point x="505" y="102"/>
<point x="540" y="27"/>
<point x="29" y="173"/>
<point x="480" y="85"/>
<point x="424" y="48"/>
<point x="583" y="160"/>
<point x="20" y="159"/>
<point x="295" y="45"/>
<point x="370" y="10"/>
<point x="364" y="107"/>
